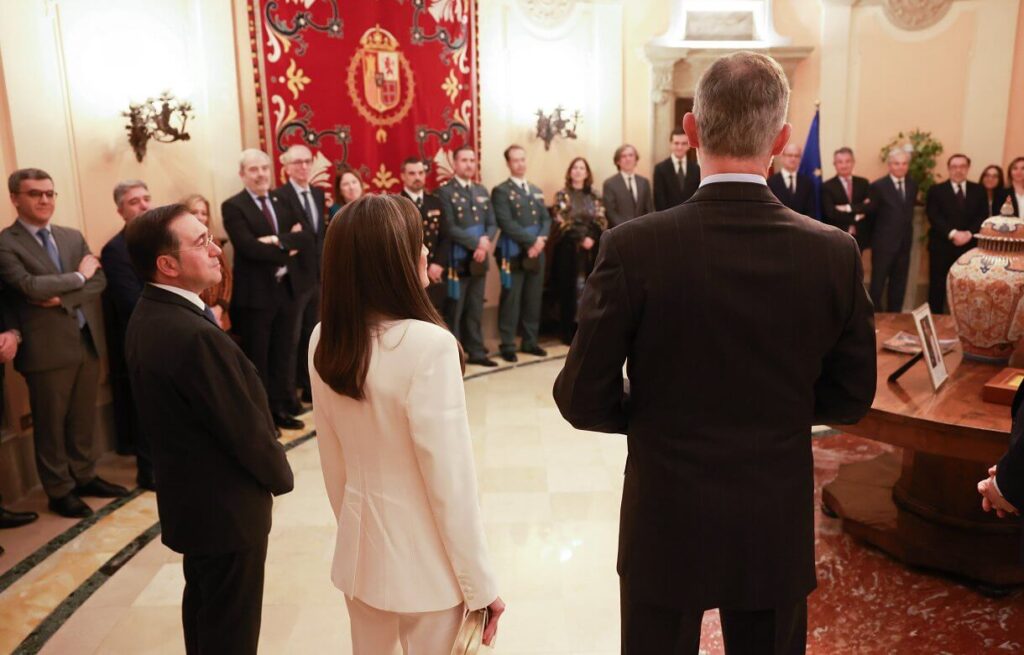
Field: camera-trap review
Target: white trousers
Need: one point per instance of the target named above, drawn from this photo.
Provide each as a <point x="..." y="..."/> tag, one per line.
<point x="377" y="632"/>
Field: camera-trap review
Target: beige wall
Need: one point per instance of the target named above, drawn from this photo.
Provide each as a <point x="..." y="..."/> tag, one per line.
<point x="1015" y="121"/>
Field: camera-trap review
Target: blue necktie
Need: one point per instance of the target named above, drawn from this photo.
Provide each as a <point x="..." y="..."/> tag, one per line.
<point x="51" y="250"/>
<point x="309" y="211"/>
<point x="210" y="315"/>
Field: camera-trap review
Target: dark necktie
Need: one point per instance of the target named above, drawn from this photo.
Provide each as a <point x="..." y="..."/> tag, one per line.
<point x="960" y="199"/>
<point x="849" y="191"/>
<point x="210" y="315"/>
<point x="526" y="188"/>
<point x="267" y="214"/>
<point x="899" y="188"/>
<point x="309" y="210"/>
<point x="792" y="183"/>
<point x="419" y="202"/>
<point x="629" y="185"/>
<point x="51" y="248"/>
<point x="681" y="175"/>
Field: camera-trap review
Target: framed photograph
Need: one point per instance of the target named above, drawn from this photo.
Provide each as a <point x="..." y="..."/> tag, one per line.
<point x="930" y="344"/>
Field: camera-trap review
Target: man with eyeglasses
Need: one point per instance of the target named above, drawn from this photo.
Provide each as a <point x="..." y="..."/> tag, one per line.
<point x="53" y="286"/>
<point x="271" y="281"/>
<point x="310" y="205"/>
<point x="131" y="197"/>
<point x="202" y="404"/>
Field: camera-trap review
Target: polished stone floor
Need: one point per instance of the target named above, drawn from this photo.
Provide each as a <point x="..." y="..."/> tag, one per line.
<point x="550" y="499"/>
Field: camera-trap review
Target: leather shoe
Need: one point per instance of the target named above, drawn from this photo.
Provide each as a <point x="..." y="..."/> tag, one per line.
<point x="286" y="422"/>
<point x="509" y="357"/>
<point x="483" y="361"/>
<point x="100" y="488"/>
<point x="536" y="350"/>
<point x="9" y="519"/>
<point x="307" y="396"/>
<point x="70" y="506"/>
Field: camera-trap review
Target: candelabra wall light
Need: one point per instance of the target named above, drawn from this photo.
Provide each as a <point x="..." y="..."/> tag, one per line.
<point x="556" y="124"/>
<point x="163" y="120"/>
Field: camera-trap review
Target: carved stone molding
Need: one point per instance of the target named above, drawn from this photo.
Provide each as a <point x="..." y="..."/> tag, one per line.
<point x="662" y="84"/>
<point x="916" y="14"/>
<point x="547" y="13"/>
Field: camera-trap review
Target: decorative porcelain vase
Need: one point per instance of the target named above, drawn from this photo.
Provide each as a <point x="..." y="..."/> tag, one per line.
<point x="985" y="288"/>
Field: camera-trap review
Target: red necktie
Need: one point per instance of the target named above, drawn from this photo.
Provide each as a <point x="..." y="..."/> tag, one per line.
<point x="267" y="215"/>
<point x="960" y="200"/>
<point x="849" y="191"/>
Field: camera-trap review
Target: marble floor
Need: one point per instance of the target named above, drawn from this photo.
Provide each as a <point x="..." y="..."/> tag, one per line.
<point x="550" y="498"/>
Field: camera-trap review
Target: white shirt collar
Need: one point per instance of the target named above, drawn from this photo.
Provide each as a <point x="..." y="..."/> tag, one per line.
<point x="897" y="180"/>
<point x="518" y="181"/>
<point x="748" y="178"/>
<point x="298" y="189"/>
<point x="256" y="198"/>
<point x="33" y="229"/>
<point x="190" y="296"/>
<point x="627" y="176"/>
<point x="791" y="174"/>
<point x="415" y="195"/>
<point x="463" y="182"/>
<point x="678" y="160"/>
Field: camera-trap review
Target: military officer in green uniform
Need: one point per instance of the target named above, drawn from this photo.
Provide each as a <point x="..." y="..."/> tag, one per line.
<point x="524" y="221"/>
<point x="470" y="225"/>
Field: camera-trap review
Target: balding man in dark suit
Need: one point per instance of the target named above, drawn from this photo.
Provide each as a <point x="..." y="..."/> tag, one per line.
<point x="703" y="300"/>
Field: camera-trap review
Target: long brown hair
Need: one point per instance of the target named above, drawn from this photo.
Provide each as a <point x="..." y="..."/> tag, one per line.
<point x="588" y="183"/>
<point x="370" y="274"/>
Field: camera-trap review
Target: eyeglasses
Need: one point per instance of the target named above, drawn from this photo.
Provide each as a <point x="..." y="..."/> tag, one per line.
<point x="302" y="162"/>
<point x="35" y="194"/>
<point x="207" y="240"/>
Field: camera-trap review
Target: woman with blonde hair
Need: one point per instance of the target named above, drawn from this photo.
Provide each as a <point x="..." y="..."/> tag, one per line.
<point x="390" y="412"/>
<point x="218" y="297"/>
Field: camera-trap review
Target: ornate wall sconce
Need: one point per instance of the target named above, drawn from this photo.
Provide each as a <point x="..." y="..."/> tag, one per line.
<point x="556" y="124"/>
<point x="162" y="120"/>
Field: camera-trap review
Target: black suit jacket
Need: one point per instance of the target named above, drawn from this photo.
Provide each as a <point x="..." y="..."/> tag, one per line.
<point x="256" y="263"/>
<point x="201" y="402"/>
<point x="733" y="352"/>
<point x="124" y="286"/>
<point x="287" y="192"/>
<point x="667" y="192"/>
<point x="945" y="214"/>
<point x="1010" y="470"/>
<point x="802" y="202"/>
<point x="893" y="217"/>
<point x="435" y="236"/>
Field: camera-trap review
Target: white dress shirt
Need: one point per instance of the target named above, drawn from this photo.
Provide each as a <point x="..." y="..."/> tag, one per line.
<point x="34" y="231"/>
<point x="748" y="178"/>
<point x="281" y="270"/>
<point x="630" y="180"/>
<point x="190" y="296"/>
<point x="400" y="477"/>
<point x="789" y="177"/>
<point x="676" y="163"/>
<point x="415" y="196"/>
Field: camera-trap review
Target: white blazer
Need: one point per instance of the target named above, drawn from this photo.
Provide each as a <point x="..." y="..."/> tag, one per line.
<point x="399" y="471"/>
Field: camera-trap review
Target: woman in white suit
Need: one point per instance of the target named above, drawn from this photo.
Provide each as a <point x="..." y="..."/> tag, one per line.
<point x="394" y="441"/>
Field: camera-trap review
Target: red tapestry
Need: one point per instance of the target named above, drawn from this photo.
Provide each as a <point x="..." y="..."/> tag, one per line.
<point x="367" y="83"/>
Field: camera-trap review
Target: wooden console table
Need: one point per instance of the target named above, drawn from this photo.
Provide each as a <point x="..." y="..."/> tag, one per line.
<point x="923" y="507"/>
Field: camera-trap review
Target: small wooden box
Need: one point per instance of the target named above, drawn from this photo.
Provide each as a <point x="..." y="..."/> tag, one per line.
<point x="1003" y="387"/>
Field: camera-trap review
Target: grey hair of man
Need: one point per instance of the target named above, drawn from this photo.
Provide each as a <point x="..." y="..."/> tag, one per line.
<point x="250" y="154"/>
<point x="289" y="154"/>
<point x="897" y="152"/>
<point x="124" y="186"/>
<point x="740" y="105"/>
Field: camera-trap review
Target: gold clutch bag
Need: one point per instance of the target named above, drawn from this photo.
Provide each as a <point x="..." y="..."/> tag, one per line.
<point x="471" y="634"/>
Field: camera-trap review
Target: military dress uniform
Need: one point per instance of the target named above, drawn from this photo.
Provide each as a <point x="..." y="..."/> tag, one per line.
<point x="522" y="217"/>
<point x="468" y="215"/>
<point x="435" y="238"/>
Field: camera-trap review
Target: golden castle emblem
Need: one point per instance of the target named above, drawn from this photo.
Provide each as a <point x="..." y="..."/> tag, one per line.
<point x="380" y="80"/>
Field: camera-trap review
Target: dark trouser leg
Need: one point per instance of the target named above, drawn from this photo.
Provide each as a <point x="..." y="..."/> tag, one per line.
<point x="648" y="629"/>
<point x="533" y="295"/>
<point x="49" y="394"/>
<point x="472" y="334"/>
<point x="438" y="294"/>
<point x="81" y="418"/>
<point x="253" y="325"/>
<point x="310" y="317"/>
<point x="284" y="344"/>
<point x="881" y="267"/>
<point x="939" y="262"/>
<point x="223" y="602"/>
<point x="508" y="312"/>
<point x="898" y="279"/>
<point x="779" y="631"/>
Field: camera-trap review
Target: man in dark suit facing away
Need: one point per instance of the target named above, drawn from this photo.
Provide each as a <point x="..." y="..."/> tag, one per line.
<point x="702" y="301"/>
<point x="203" y="406"/>
<point x="124" y="286"/>
<point x="310" y="204"/>
<point x="677" y="177"/>
<point x="844" y="199"/>
<point x="794" y="190"/>
<point x="273" y="278"/>
<point x="956" y="209"/>
<point x="892" y="235"/>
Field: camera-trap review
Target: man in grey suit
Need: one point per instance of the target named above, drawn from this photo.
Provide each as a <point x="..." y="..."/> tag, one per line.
<point x="892" y="209"/>
<point x="626" y="194"/>
<point x="53" y="285"/>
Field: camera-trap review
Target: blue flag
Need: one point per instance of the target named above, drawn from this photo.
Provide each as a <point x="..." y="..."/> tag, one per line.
<point x="810" y="163"/>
